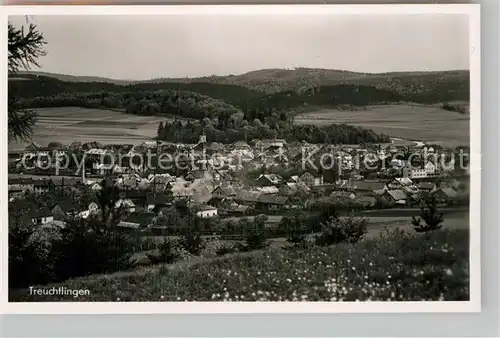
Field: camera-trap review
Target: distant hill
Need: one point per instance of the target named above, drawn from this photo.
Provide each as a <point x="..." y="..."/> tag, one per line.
<point x="69" y="78"/>
<point x="270" y="89"/>
<point x="38" y="85"/>
<point x="278" y="80"/>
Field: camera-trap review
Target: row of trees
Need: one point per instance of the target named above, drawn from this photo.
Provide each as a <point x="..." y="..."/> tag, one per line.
<point x="219" y="131"/>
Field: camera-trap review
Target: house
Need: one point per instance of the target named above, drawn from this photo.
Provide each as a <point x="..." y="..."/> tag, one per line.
<point x="40" y="217"/>
<point x="206" y="211"/>
<point x="288" y="188"/>
<point x="274" y="143"/>
<point x="271" y="202"/>
<point x="223" y="192"/>
<point x="241" y="145"/>
<point x="234" y="208"/>
<point x="41" y="186"/>
<point x="269" y="179"/>
<point x="16" y="194"/>
<point x="156" y="202"/>
<point x="426" y="186"/>
<point x="400" y="182"/>
<point x="126" y="204"/>
<point x="445" y="194"/>
<point x="199" y="176"/>
<point x="247" y="197"/>
<point x="21" y="184"/>
<point x="128" y="225"/>
<point x="35" y="149"/>
<point x="67" y="208"/>
<point x="430" y="168"/>
<point x="311" y="178"/>
<point x="181" y="192"/>
<point x="268" y="190"/>
<point x="343" y="194"/>
<point x="367" y="201"/>
<point x="159" y="182"/>
<point x="368" y="187"/>
<point x="395" y="196"/>
<point x="95" y="186"/>
<point x="414" y="173"/>
<point x="93" y="207"/>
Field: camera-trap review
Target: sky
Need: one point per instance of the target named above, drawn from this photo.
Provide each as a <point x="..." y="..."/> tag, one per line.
<point x="146" y="47"/>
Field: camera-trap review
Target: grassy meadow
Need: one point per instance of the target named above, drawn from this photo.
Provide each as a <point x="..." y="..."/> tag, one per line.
<point x="70" y="124"/>
<point x="417" y="122"/>
<point x="396" y="266"/>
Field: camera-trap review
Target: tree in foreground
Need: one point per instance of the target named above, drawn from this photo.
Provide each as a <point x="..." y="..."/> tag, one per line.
<point x="25" y="48"/>
<point x="431" y="216"/>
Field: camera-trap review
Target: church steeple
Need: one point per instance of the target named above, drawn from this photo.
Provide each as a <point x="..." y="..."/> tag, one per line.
<point x="203" y="138"/>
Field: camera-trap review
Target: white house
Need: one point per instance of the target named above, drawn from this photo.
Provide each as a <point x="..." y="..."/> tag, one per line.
<point x="41" y="217"/>
<point x="93" y="207"/>
<point x="430" y="168"/>
<point x="413" y="173"/>
<point x="207" y="212"/>
<point x="126" y="204"/>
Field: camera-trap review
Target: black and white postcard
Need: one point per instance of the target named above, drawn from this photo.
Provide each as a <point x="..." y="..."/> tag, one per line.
<point x="238" y="159"/>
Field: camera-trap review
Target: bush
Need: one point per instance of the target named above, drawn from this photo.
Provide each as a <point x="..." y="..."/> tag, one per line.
<point x="255" y="233"/>
<point x="294" y="228"/>
<point x="167" y="252"/>
<point x="226" y="249"/>
<point x="88" y="246"/>
<point x="30" y="255"/>
<point x="336" y="230"/>
<point x="430" y="215"/>
<point x="192" y="240"/>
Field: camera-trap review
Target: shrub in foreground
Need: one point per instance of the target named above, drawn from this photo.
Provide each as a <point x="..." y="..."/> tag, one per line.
<point x="336" y="230"/>
<point x="255" y="233"/>
<point x="397" y="267"/>
<point x="431" y="216"/>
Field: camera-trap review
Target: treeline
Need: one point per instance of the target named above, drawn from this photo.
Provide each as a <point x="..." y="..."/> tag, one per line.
<point x="454" y="107"/>
<point x="30" y="87"/>
<point x="165" y="102"/>
<point x="221" y="121"/>
<point x="234" y="130"/>
<point x="255" y="104"/>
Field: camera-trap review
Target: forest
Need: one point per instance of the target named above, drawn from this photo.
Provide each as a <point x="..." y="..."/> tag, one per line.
<point x="225" y="112"/>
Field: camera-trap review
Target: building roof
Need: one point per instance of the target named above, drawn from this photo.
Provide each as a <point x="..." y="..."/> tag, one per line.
<point x="127" y="203"/>
<point x="272" y="199"/>
<point x="340" y="193"/>
<point x="273" y="178"/>
<point x="404" y="181"/>
<point x="226" y="191"/>
<point x="41" y="183"/>
<point x="247" y="196"/>
<point x="45" y="212"/>
<point x="268" y="190"/>
<point x="206" y="208"/>
<point x="157" y="199"/>
<point x="311" y="172"/>
<point x="368" y="186"/>
<point x="449" y="192"/>
<point x="397" y="195"/>
<point x="426" y="185"/>
<point x="21" y="181"/>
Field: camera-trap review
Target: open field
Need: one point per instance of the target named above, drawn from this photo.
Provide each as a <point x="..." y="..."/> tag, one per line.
<point x="428" y="123"/>
<point x="69" y="124"/>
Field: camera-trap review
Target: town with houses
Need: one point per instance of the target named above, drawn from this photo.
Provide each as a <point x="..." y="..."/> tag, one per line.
<point x="226" y="180"/>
